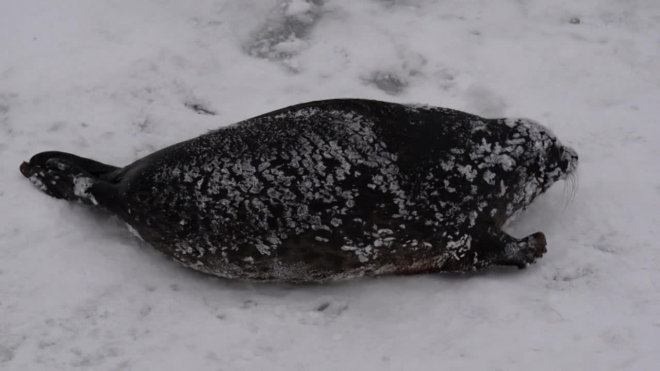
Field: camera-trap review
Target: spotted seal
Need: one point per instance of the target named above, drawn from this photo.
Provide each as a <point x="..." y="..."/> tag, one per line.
<point x="328" y="190"/>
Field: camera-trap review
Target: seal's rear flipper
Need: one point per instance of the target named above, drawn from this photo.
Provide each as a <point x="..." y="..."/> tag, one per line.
<point x="91" y="167"/>
<point x="69" y="177"/>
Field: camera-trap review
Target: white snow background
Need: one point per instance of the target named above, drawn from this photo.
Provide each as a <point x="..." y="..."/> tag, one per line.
<point x="114" y="80"/>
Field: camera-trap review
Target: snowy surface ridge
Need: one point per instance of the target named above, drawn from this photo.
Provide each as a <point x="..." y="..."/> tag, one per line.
<point x="115" y="81"/>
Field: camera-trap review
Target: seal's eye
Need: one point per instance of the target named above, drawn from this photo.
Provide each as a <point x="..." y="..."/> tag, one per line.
<point x="555" y="165"/>
<point x="555" y="153"/>
<point x="561" y="161"/>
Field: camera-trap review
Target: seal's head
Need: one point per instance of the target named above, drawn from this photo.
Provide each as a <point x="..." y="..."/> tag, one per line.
<point x="545" y="158"/>
<point x="560" y="162"/>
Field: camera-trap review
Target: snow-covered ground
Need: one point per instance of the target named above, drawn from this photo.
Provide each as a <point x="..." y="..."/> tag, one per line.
<point x="116" y="80"/>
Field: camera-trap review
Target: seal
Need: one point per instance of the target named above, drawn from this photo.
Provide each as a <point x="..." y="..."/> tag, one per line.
<point x="329" y="190"/>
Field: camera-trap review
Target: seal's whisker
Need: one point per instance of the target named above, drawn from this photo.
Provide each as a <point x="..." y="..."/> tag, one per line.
<point x="570" y="189"/>
<point x="576" y="183"/>
<point x="565" y="193"/>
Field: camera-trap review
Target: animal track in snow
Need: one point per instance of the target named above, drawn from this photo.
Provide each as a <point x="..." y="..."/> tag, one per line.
<point x="199" y="108"/>
<point x="394" y="79"/>
<point x="390" y="83"/>
<point x="573" y="273"/>
<point x="286" y="34"/>
<point x="324" y="312"/>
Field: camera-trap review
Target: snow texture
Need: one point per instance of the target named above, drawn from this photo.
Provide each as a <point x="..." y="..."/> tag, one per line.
<point x="115" y="81"/>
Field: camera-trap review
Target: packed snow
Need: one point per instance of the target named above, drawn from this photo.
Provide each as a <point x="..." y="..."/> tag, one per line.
<point x="117" y="80"/>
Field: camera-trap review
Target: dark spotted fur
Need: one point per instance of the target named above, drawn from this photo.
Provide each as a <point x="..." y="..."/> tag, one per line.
<point x="329" y="190"/>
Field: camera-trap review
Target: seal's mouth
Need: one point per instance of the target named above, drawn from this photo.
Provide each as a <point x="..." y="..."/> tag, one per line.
<point x="570" y="156"/>
<point x="570" y="177"/>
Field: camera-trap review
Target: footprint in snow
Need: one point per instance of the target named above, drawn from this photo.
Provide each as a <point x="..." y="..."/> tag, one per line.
<point x="286" y="34"/>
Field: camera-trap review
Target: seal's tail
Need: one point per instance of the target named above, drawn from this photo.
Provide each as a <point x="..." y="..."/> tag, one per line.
<point x="70" y="177"/>
<point x="92" y="167"/>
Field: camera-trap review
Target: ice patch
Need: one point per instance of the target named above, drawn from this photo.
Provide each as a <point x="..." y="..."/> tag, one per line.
<point x="297" y="7"/>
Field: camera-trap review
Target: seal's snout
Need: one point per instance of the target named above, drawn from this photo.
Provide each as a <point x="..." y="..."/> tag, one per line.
<point x="570" y="160"/>
<point x="562" y="161"/>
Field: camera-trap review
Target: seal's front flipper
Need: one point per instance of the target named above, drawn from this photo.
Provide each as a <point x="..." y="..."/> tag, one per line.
<point x="62" y="177"/>
<point x="498" y="248"/>
<point x="525" y="251"/>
